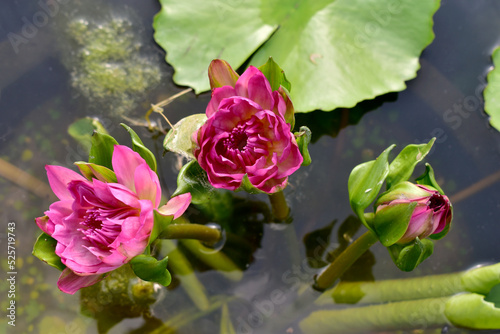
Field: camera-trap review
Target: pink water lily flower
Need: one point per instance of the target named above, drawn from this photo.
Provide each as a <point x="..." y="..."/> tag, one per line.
<point x="246" y="133"/>
<point x="99" y="226"/>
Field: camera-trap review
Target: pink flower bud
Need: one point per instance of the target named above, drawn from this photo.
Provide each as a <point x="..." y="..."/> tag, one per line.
<point x="431" y="216"/>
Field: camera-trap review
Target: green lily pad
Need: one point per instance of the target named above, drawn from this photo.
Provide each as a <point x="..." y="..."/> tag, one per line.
<point x="492" y="92"/>
<point x="335" y="53"/>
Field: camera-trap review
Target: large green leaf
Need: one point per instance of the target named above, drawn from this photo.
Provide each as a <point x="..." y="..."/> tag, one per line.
<point x="492" y="92"/>
<point x="334" y="52"/>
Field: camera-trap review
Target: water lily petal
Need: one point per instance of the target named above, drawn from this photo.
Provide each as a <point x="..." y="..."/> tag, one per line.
<point x="218" y="94"/>
<point x="69" y="282"/>
<point x="59" y="178"/>
<point x="259" y="91"/>
<point x="124" y="162"/>
<point x="176" y="206"/>
<point x="147" y="185"/>
<point x="241" y="85"/>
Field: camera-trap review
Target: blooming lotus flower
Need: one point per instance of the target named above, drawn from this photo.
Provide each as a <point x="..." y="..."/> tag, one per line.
<point x="431" y="215"/>
<point x="247" y="136"/>
<point x="100" y="225"/>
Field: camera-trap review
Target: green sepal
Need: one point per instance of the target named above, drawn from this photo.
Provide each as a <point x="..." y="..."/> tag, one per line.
<point x="221" y="74"/>
<point x="428" y="179"/>
<point x="193" y="179"/>
<point x="178" y="139"/>
<point x="81" y="130"/>
<point x="391" y="222"/>
<point x="473" y="311"/>
<point x="160" y="224"/>
<point x="403" y="165"/>
<point x="365" y="182"/>
<point x="93" y="171"/>
<point x="303" y="138"/>
<point x="408" y="257"/>
<point x="275" y="75"/>
<point x="45" y="250"/>
<point x="102" y="149"/>
<point x="139" y="147"/>
<point x="278" y="81"/>
<point x="289" y="109"/>
<point x="150" y="269"/>
<point x="248" y="186"/>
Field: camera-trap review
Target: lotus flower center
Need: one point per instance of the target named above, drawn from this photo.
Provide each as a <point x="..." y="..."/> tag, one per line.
<point x="237" y="139"/>
<point x="99" y="230"/>
<point x="436" y="202"/>
<point x="92" y="220"/>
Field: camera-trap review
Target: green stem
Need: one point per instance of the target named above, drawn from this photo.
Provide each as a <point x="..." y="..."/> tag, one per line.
<point x="279" y="205"/>
<point x="393" y="290"/>
<point x="213" y="258"/>
<point x="204" y="233"/>
<point x="407" y="315"/>
<point x="345" y="260"/>
<point x="182" y="268"/>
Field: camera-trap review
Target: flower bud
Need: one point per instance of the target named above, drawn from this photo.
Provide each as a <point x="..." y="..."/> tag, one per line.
<point x="409" y="211"/>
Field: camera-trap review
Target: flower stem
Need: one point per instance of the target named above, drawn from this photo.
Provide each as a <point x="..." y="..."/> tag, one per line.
<point x="279" y="205"/>
<point x="406" y="315"/>
<point x="345" y="260"/>
<point x="204" y="233"/>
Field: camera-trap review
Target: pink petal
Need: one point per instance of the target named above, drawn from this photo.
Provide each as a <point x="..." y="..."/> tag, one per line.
<point x="242" y="83"/>
<point x="59" y="177"/>
<point x="218" y="95"/>
<point x="57" y="212"/>
<point x="176" y="205"/>
<point x="259" y="90"/>
<point x="124" y="162"/>
<point x="124" y="194"/>
<point x="147" y="185"/>
<point x="45" y="224"/>
<point x="69" y="282"/>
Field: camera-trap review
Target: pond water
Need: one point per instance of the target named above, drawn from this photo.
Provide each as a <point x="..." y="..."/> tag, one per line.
<point x="46" y="84"/>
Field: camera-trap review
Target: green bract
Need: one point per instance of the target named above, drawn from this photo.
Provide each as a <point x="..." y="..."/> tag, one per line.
<point x="193" y="179"/>
<point x="45" y="250"/>
<point x="336" y="52"/>
<point x="150" y="269"/>
<point x="365" y="181"/>
<point x="102" y="149"/>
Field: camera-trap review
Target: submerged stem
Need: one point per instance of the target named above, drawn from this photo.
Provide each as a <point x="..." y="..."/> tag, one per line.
<point x="345" y="260"/>
<point x="204" y="233"/>
<point x="279" y="205"/>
